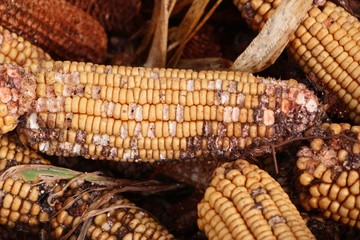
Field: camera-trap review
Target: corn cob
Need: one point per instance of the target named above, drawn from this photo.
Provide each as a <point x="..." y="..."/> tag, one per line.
<point x="329" y="173"/>
<point x="143" y="114"/>
<point x="114" y="15"/>
<point x="71" y="199"/>
<point x="244" y="202"/>
<point x="14" y="49"/>
<point x="61" y="29"/>
<point x="116" y="219"/>
<point x="326" y="45"/>
<point x="19" y="200"/>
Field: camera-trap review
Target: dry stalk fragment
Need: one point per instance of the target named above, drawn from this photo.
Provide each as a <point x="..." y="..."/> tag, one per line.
<point x="329" y="173"/>
<point x="14" y="49"/>
<point x="144" y="114"/>
<point x="61" y="29"/>
<point x="68" y="204"/>
<point x="326" y="45"/>
<point x="245" y="202"/>
<point x="273" y="37"/>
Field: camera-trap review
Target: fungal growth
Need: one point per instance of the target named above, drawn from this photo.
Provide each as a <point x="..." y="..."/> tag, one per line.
<point x="329" y="173"/>
<point x="144" y="114"/>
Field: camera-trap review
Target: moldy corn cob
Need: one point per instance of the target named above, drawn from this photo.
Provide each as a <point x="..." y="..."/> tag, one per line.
<point x="329" y="173"/>
<point x="14" y="49"/>
<point x="326" y="45"/>
<point x="119" y="16"/>
<point x="37" y="196"/>
<point x="61" y="29"/>
<point x="143" y="114"/>
<point x="244" y="202"/>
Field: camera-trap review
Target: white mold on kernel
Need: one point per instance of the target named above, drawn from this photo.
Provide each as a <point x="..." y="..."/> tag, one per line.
<point x="211" y="85"/>
<point x="58" y="77"/>
<point x="123" y="131"/>
<point x="240" y="99"/>
<point x="235" y="114"/>
<point x="218" y="84"/>
<point x="110" y="109"/>
<point x="132" y="110"/>
<point x="300" y="99"/>
<point x="165" y="112"/>
<point x="228" y="114"/>
<point x="151" y="130"/>
<point x="32" y="121"/>
<point x="190" y="85"/>
<point x="225" y="96"/>
<point x="179" y="113"/>
<point x="269" y="117"/>
<point x="172" y="128"/>
<point x="76" y="149"/>
<point x="95" y="93"/>
<point x="137" y="130"/>
<point x="311" y="106"/>
<point x="44" y="146"/>
<point x="138" y="113"/>
<point x="232" y="87"/>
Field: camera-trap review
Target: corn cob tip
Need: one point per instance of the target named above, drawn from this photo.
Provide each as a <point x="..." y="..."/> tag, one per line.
<point x="17" y="92"/>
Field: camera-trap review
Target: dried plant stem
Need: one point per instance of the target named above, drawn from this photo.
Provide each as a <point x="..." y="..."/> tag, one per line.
<point x="273" y="38"/>
<point x="157" y="54"/>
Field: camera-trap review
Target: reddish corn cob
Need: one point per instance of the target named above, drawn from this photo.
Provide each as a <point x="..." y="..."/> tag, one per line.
<point x="142" y="114"/>
<point x="63" y="30"/>
<point x="326" y="45"/>
<point x="329" y="173"/>
<point x="118" y="16"/>
<point x="244" y="202"/>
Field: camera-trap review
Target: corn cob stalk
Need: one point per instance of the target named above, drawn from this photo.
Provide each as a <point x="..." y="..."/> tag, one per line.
<point x="14" y="49"/>
<point x="66" y="202"/>
<point x="326" y="45"/>
<point x="143" y="114"/>
<point x="63" y="30"/>
<point x="329" y="173"/>
<point x="244" y="202"/>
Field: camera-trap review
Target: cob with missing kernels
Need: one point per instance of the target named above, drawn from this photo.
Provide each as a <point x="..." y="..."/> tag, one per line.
<point x="143" y="114"/>
<point x="244" y="202"/>
<point x="326" y="45"/>
<point x="329" y="173"/>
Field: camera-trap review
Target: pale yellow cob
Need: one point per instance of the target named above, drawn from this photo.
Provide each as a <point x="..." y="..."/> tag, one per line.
<point x="244" y="202"/>
<point x="326" y="45"/>
<point x="143" y="114"/>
